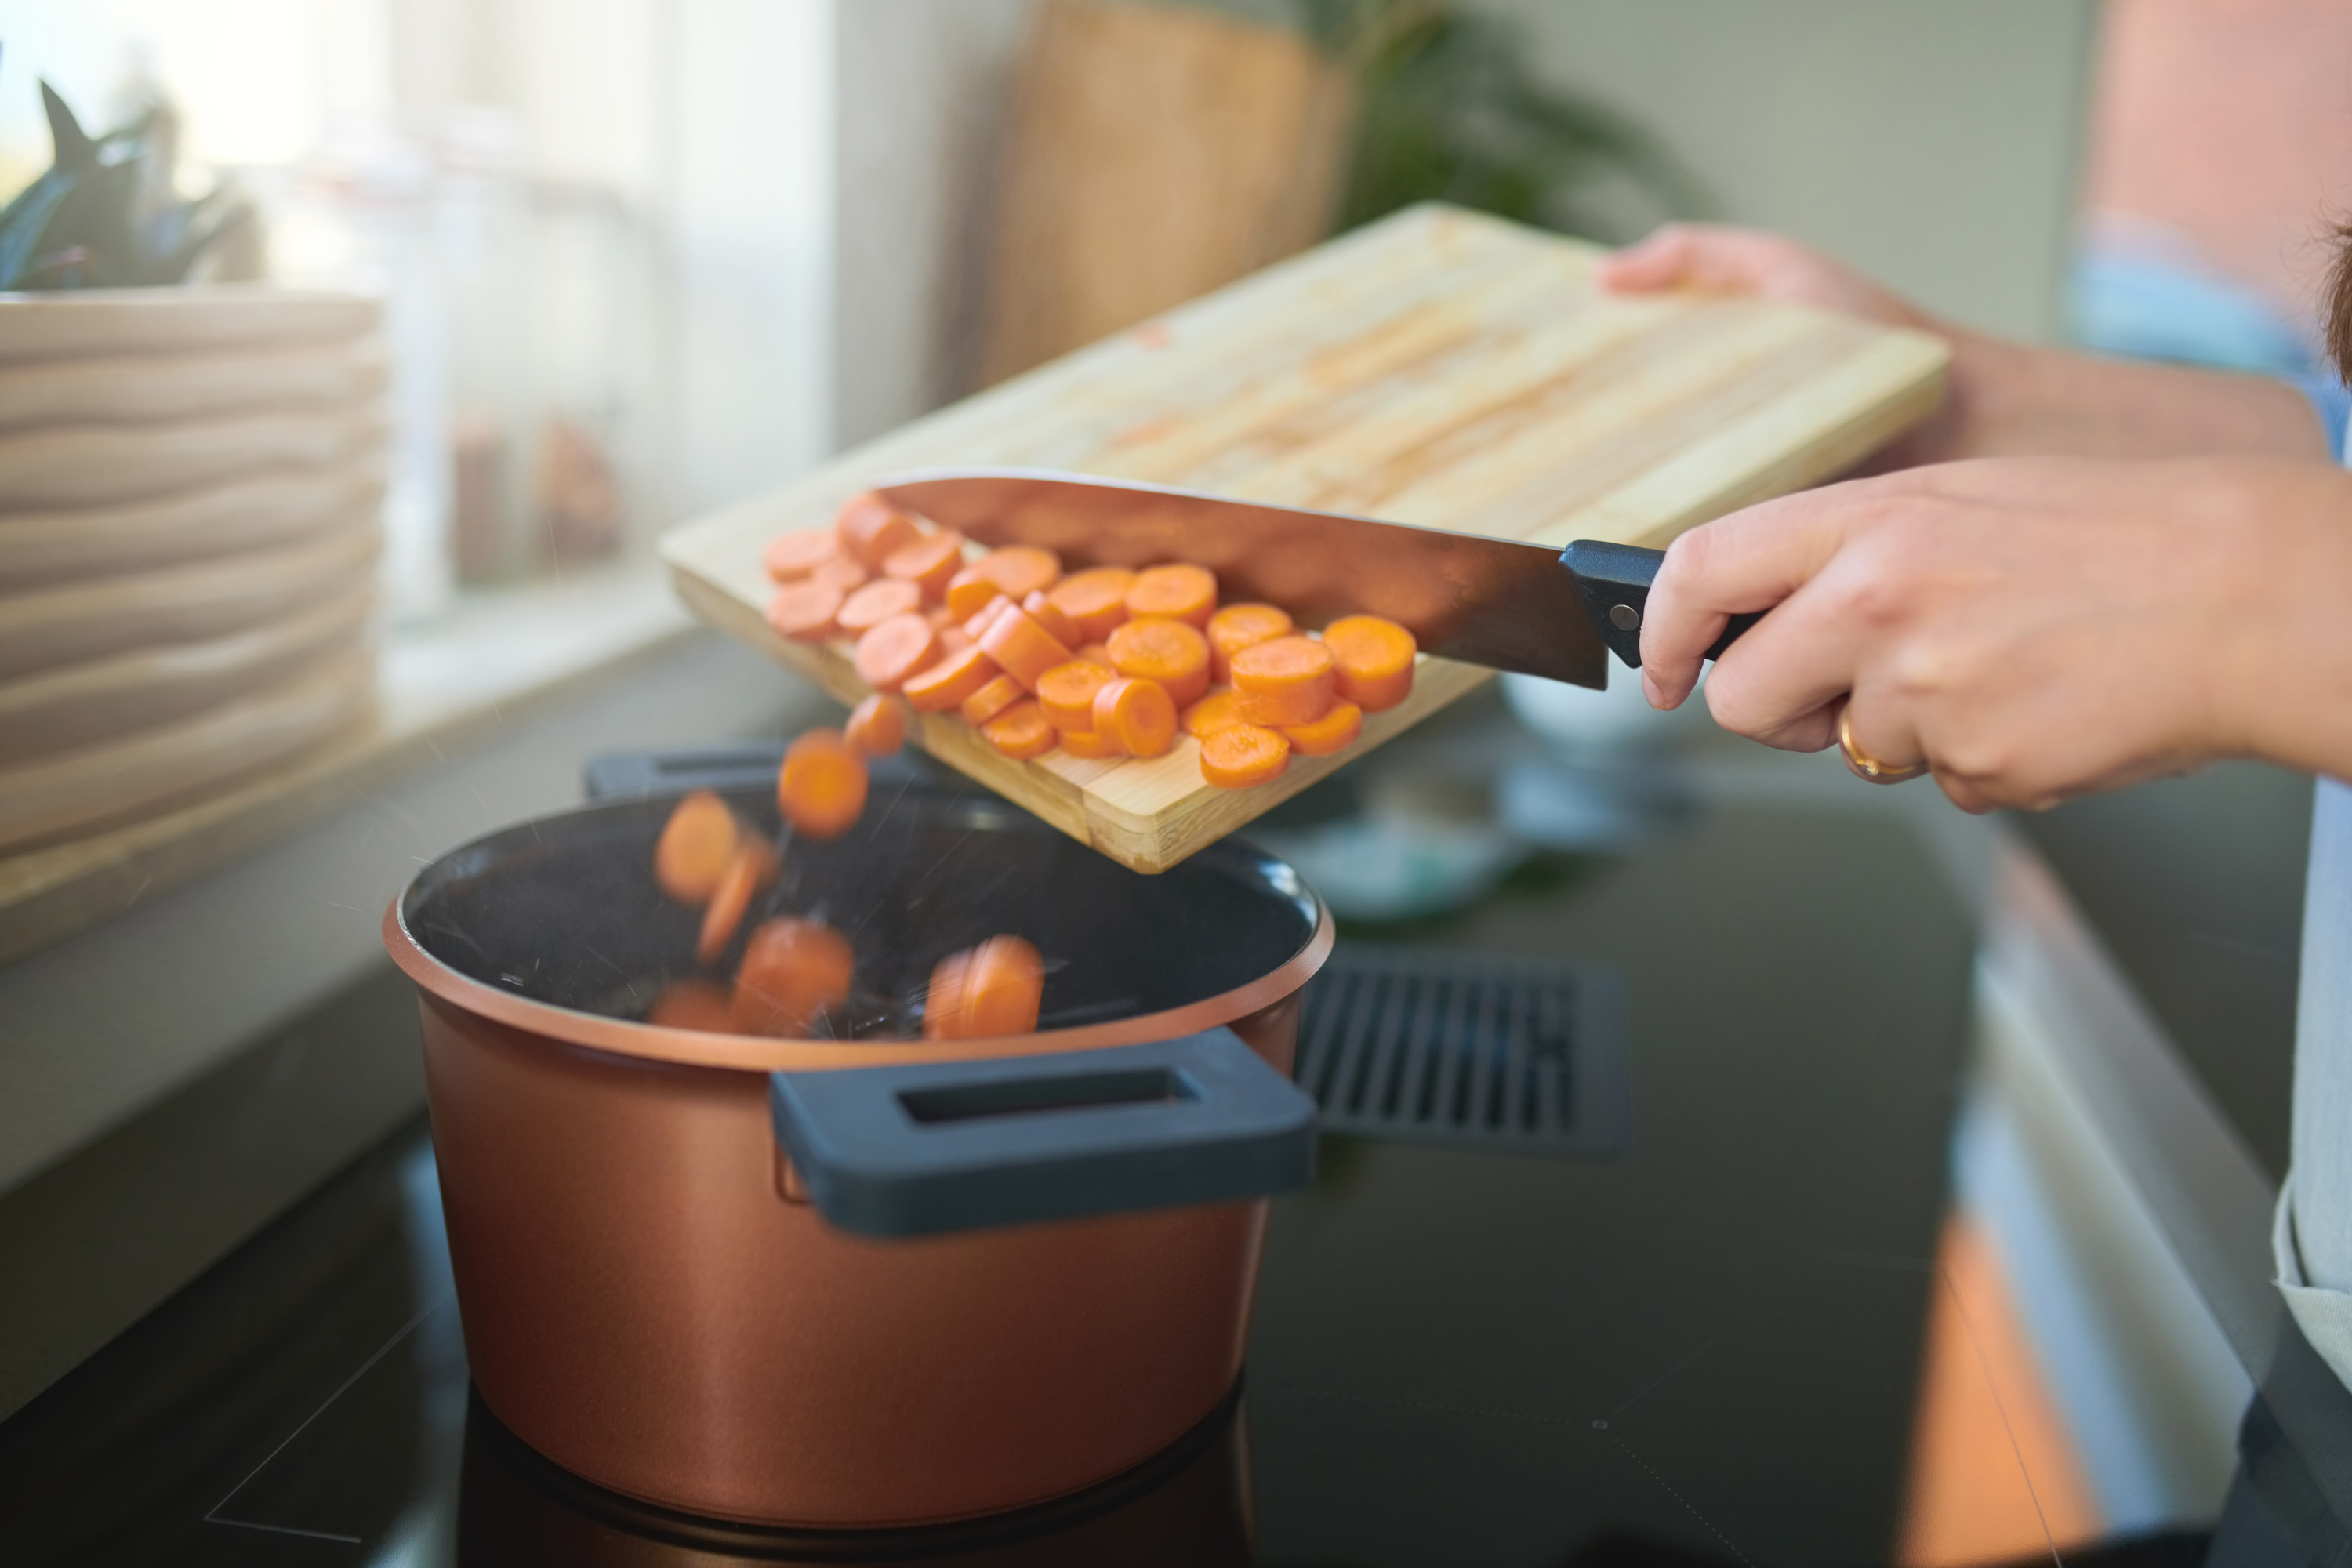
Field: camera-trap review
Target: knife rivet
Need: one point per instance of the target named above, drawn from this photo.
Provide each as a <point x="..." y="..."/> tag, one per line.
<point x="1625" y="617"/>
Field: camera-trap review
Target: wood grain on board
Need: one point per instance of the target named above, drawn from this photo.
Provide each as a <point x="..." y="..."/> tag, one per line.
<point x="1439" y="368"/>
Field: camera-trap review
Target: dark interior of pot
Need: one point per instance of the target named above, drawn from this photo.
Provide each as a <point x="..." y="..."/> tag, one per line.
<point x="565" y="909"/>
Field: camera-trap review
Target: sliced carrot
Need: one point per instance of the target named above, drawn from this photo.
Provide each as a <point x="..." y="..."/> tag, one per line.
<point x="1373" y="658"/>
<point x="1095" y="599"/>
<point x="749" y="869"/>
<point x="1002" y="989"/>
<point x="1027" y="650"/>
<point x="1138" y="714"/>
<point x="871" y="529"/>
<point x="1179" y="592"/>
<point x="1088" y="745"/>
<point x="694" y="848"/>
<point x="1049" y="614"/>
<point x="1237" y="627"/>
<point x="944" y="1002"/>
<point x="887" y="654"/>
<point x="969" y="590"/>
<point x="1021" y="570"/>
<point x="941" y="618"/>
<point x="1170" y="652"/>
<point x="822" y="787"/>
<point x="1219" y="708"/>
<point x="845" y="573"/>
<point x="1335" y="731"/>
<point x="1288" y="681"/>
<point x="954" y="639"/>
<point x="793" y="556"/>
<point x="1241" y="754"/>
<point x="876" y="602"/>
<point x="1067" y="692"/>
<point x="1092" y="652"/>
<point x="1022" y="730"/>
<point x="692" y="1004"/>
<point x="804" y="610"/>
<point x="994" y="696"/>
<point x="951" y="680"/>
<point x="976" y="625"/>
<point x="929" y="563"/>
<point x="792" y="969"/>
<point x="876" y="726"/>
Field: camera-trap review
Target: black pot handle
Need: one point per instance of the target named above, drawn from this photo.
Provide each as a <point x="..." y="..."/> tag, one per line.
<point x="948" y="1146"/>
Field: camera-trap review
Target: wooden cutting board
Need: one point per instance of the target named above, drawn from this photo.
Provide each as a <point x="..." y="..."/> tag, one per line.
<point x="1440" y="368"/>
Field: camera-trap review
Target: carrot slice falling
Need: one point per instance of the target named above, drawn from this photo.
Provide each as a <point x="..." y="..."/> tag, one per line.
<point x="748" y="870"/>
<point x="876" y="602"/>
<point x="1170" y="652"/>
<point x="969" y="590"/>
<point x="1138" y="714"/>
<point x="994" y="696"/>
<point x="695" y="845"/>
<point x="1240" y="755"/>
<point x="1049" y="614"/>
<point x="1002" y="988"/>
<point x="949" y="680"/>
<point x="792" y="969"/>
<point x="1286" y="681"/>
<point x="876" y="726"/>
<point x="1025" y="650"/>
<point x="804" y="610"/>
<point x="1237" y="627"/>
<point x="1067" y="692"/>
<point x="1095" y="599"/>
<point x="692" y="1004"/>
<point x="944" y="1002"/>
<point x="1179" y="592"/>
<point x="822" y="787"/>
<point x="887" y="654"/>
<point x="870" y="528"/>
<point x="1022" y="730"/>
<point x="1335" y="731"/>
<point x="1374" y="661"/>
<point x="793" y="556"/>
<point x="1214" y="712"/>
<point x="929" y="563"/>
<point x="1021" y="570"/>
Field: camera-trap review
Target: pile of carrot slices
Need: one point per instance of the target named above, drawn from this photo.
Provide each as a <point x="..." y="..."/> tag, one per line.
<point x="792" y="969"/>
<point x="1104" y="662"/>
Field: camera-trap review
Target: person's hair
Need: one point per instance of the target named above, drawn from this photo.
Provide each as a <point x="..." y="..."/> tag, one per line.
<point x="2339" y="303"/>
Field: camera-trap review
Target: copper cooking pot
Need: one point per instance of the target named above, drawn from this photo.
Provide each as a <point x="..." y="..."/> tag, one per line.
<point x="861" y="1284"/>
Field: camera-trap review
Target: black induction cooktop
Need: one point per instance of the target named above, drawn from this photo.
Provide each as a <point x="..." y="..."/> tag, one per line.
<point x="1701" y="1344"/>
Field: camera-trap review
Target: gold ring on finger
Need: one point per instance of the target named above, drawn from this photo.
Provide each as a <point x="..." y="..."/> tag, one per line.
<point x="1862" y="765"/>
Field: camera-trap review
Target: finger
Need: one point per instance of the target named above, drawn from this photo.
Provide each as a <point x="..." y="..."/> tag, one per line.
<point x="1648" y="264"/>
<point x="1878" y="728"/>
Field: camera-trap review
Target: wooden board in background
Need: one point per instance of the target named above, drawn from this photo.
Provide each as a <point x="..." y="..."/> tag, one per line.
<point x="1439" y="368"/>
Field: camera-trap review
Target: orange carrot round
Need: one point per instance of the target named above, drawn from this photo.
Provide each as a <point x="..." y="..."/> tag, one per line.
<point x="953" y="639"/>
<point x="876" y="726"/>
<point x="1237" y="627"/>
<point x="1219" y="708"/>
<point x="845" y="573"/>
<point x="997" y="693"/>
<point x="692" y="1004"/>
<point x="949" y="680"/>
<point x="1092" y="652"/>
<point x="1181" y="592"/>
<point x="1067" y="692"/>
<point x="1286" y="681"/>
<point x="1138" y="714"/>
<point x="969" y="590"/>
<point x="1374" y="661"/>
<point x="1021" y="570"/>
<point x="694" y="848"/>
<point x="1049" y="614"/>
<point x="1025" y="650"/>
<point x="876" y="602"/>
<point x="1240" y="755"/>
<point x="1090" y="746"/>
<point x="820" y="788"/>
<point x="976" y="625"/>
<point x="1335" y="731"/>
<point x="792" y="969"/>
<point x="804" y="610"/>
<point x="1002" y="988"/>
<point x="1170" y="652"/>
<point x="793" y="556"/>
<point x="1095" y="599"/>
<point x="944" y="1002"/>
<point x="887" y="654"/>
<point x="748" y="870"/>
<point x="870" y="529"/>
<point x="1022" y="730"/>
<point x="929" y="563"/>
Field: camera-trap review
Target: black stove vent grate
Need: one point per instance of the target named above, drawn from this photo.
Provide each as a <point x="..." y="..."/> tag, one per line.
<point x="1469" y="1049"/>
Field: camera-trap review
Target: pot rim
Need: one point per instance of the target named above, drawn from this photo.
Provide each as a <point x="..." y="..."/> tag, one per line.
<point x="760" y="1053"/>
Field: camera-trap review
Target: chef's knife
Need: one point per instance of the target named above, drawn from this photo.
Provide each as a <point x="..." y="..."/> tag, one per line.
<point x="1502" y="602"/>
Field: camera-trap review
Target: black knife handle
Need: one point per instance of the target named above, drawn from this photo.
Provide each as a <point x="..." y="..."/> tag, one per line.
<point x="1614" y="581"/>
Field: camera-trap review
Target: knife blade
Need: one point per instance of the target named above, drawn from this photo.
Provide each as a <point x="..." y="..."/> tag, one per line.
<point x="1501" y="603"/>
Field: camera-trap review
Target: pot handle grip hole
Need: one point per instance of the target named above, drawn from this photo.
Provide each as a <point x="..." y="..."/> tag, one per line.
<point x="951" y="1146"/>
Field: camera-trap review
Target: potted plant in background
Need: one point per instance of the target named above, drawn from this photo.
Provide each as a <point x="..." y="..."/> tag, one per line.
<point x="190" y="471"/>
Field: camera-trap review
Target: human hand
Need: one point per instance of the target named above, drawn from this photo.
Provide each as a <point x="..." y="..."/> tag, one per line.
<point x="1713" y="258"/>
<point x="2031" y="628"/>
